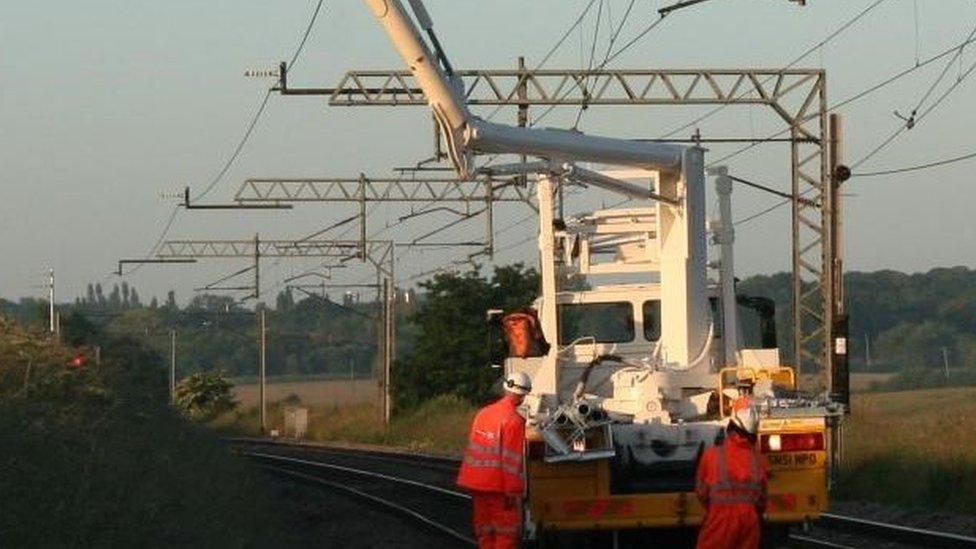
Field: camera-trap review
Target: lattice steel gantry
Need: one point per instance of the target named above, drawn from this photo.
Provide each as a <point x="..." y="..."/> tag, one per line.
<point x="484" y="191"/>
<point x="379" y="253"/>
<point x="797" y="96"/>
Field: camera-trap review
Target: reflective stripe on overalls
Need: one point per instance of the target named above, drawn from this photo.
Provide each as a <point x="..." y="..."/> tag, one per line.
<point x="495" y="456"/>
<point x="726" y="491"/>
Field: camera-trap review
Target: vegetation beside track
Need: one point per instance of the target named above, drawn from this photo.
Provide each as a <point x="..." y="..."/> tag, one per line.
<point x="438" y="425"/>
<point x="94" y="456"/>
<point x="914" y="449"/>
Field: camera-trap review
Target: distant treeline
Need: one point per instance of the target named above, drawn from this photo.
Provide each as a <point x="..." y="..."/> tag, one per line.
<point x="915" y="322"/>
<point x="312" y="336"/>
<point x="898" y="321"/>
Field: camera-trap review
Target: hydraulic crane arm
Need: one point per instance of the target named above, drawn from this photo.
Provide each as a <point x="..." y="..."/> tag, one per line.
<point x="467" y="134"/>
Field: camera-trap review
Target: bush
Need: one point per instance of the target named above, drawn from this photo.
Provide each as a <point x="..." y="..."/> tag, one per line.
<point x="205" y="395"/>
<point x="96" y="457"/>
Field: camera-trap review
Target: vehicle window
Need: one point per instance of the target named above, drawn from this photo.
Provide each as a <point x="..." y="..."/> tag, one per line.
<point x="652" y="320"/>
<point x="605" y="322"/>
<point x="716" y="317"/>
<point x="757" y="321"/>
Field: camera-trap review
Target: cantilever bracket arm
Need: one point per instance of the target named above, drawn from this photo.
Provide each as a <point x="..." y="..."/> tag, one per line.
<point x="582" y="175"/>
<point x="186" y="204"/>
<point x="153" y="261"/>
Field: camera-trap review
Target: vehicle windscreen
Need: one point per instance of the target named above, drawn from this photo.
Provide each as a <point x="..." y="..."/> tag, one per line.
<point x="604" y="322"/>
<point x="652" y="320"/>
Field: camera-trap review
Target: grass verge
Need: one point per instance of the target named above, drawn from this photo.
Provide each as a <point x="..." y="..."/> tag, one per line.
<point x="438" y="425"/>
<point x="913" y="449"/>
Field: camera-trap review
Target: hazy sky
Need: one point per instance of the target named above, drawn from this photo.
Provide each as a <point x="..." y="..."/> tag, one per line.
<point x="108" y="107"/>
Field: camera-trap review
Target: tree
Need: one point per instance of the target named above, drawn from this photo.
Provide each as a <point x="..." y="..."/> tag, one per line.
<point x="285" y="300"/>
<point x="115" y="298"/>
<point x="450" y="355"/>
<point x="134" y="298"/>
<point x="125" y="294"/>
<point x="90" y="296"/>
<point x="205" y="395"/>
<point x="99" y="296"/>
<point x="171" y="300"/>
<point x="212" y="302"/>
<point x="154" y="304"/>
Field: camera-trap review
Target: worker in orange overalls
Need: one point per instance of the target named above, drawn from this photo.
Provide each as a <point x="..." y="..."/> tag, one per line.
<point x="493" y="469"/>
<point x="732" y="483"/>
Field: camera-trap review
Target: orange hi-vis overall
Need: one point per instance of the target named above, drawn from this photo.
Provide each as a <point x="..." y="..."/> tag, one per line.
<point x="732" y="488"/>
<point x="493" y="471"/>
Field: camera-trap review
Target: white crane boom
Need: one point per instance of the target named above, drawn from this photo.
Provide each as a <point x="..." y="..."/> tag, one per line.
<point x="467" y="134"/>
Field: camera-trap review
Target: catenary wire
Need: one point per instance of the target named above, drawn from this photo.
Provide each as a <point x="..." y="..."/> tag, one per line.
<point x="891" y="138"/>
<point x="917" y="167"/>
<point x="853" y="98"/>
<point x="240" y="145"/>
<point x="837" y="32"/>
<point x="308" y="31"/>
<point x="914" y="120"/>
<point x="606" y="56"/>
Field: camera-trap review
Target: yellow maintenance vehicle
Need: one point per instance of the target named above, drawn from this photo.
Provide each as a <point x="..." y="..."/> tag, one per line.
<point x="642" y="340"/>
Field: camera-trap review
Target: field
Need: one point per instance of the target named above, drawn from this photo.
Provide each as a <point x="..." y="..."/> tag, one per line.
<point x="912" y="448"/>
<point x="865" y="382"/>
<point x="311" y="393"/>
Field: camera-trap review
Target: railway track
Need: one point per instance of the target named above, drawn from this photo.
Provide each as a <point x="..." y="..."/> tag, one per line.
<point x="372" y="492"/>
<point x="421" y="488"/>
<point x="380" y="482"/>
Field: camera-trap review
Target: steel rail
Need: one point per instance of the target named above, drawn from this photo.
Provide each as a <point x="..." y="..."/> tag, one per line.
<point x="361" y="472"/>
<point x="446" y="530"/>
<point x="828" y="521"/>
<point x="895" y="532"/>
<point x="370" y="450"/>
<point x="445" y="465"/>
<point x="800" y="541"/>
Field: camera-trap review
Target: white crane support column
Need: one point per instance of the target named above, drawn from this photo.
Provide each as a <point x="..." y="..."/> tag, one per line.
<point x="725" y="237"/>
<point x="546" y="381"/>
<point x="683" y="253"/>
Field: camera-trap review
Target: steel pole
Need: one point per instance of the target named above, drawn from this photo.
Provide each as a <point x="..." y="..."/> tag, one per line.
<point x="264" y="362"/>
<point x="387" y="350"/>
<point x="839" y="368"/>
<point x="172" y="366"/>
<point x="50" y="297"/>
<point x="257" y="267"/>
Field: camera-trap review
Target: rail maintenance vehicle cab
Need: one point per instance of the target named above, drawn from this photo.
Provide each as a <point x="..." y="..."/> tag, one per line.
<point x="644" y="353"/>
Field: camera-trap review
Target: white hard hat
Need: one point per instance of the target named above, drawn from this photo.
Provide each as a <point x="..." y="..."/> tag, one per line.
<point x="745" y="416"/>
<point x="518" y="382"/>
